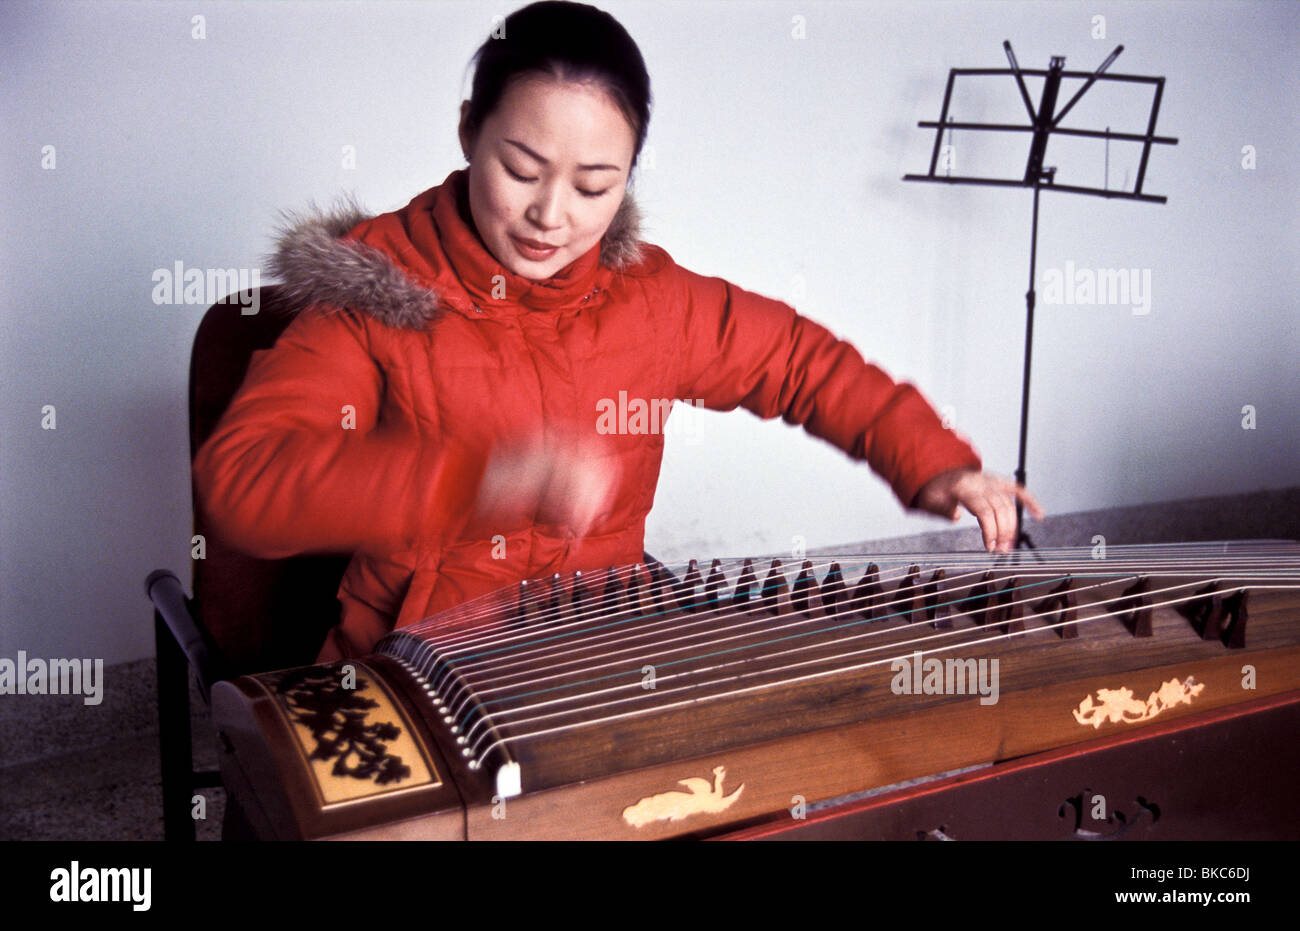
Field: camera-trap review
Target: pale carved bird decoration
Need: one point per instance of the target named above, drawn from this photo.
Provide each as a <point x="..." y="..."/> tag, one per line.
<point x="703" y="797"/>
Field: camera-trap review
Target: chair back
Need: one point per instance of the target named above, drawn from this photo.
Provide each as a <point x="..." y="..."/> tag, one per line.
<point x="262" y="614"/>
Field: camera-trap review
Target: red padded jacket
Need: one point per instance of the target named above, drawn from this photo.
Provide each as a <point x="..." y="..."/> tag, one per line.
<point x="456" y="427"/>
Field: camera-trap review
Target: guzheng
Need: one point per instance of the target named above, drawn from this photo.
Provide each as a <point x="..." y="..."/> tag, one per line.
<point x="651" y="701"/>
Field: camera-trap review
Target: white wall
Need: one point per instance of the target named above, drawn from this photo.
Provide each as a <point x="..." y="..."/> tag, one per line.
<point x="773" y="158"/>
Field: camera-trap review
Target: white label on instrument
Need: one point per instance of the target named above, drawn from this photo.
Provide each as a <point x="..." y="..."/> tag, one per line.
<point x="1119" y="705"/>
<point x="674" y="806"/>
<point x="509" y="780"/>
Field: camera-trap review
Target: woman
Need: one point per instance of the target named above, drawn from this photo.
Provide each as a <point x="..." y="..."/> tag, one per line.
<point x="441" y="406"/>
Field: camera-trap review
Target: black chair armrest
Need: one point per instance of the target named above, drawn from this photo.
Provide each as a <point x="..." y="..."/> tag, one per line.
<point x="172" y="605"/>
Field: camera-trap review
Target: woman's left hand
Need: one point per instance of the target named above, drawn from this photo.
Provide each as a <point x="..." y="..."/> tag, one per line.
<point x="990" y="498"/>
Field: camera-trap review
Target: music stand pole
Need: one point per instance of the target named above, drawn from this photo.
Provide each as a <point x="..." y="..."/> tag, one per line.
<point x="1021" y="534"/>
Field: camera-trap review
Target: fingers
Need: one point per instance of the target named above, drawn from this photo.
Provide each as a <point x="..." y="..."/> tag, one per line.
<point x="993" y="501"/>
<point x="996" y="512"/>
<point x="1031" y="502"/>
<point x="985" y="510"/>
<point x="1006" y="510"/>
<point x="1004" y="507"/>
<point x="1016" y="491"/>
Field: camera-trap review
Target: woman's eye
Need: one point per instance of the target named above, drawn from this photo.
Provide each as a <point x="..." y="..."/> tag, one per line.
<point x="518" y="177"/>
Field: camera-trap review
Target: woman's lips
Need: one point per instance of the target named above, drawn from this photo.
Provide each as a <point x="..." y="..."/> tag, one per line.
<point x="533" y="252"/>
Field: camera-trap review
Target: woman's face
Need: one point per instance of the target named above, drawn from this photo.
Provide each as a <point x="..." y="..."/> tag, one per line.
<point x="549" y="166"/>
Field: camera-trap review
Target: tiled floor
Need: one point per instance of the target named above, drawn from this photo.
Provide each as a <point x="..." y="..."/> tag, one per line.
<point x="79" y="773"/>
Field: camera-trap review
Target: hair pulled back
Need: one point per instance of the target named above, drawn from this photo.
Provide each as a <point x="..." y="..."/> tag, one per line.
<point x="568" y="41"/>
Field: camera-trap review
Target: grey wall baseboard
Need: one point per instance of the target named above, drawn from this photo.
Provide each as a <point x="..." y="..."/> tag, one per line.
<point x="1268" y="514"/>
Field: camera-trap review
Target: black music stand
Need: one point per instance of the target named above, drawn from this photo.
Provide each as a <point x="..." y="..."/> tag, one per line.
<point x="1043" y="122"/>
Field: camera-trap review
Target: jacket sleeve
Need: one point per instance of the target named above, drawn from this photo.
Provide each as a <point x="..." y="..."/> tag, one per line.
<point x="307" y="458"/>
<point x="743" y="349"/>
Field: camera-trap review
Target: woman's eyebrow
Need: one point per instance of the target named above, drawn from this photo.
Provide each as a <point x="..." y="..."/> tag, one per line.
<point x="530" y="152"/>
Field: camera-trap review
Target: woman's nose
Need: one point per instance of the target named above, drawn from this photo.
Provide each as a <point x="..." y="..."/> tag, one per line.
<point x="547" y="209"/>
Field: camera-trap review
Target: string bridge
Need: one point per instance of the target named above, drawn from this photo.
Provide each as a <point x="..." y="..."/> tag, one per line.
<point x="1218" y="615"/>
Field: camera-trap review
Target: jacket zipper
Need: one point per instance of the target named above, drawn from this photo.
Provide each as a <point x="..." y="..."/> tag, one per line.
<point x="588" y="297"/>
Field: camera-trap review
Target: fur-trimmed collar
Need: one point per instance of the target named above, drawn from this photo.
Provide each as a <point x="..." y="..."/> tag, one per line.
<point x="316" y="265"/>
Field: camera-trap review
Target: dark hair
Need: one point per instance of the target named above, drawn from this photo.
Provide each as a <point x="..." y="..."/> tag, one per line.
<point x="571" y="41"/>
